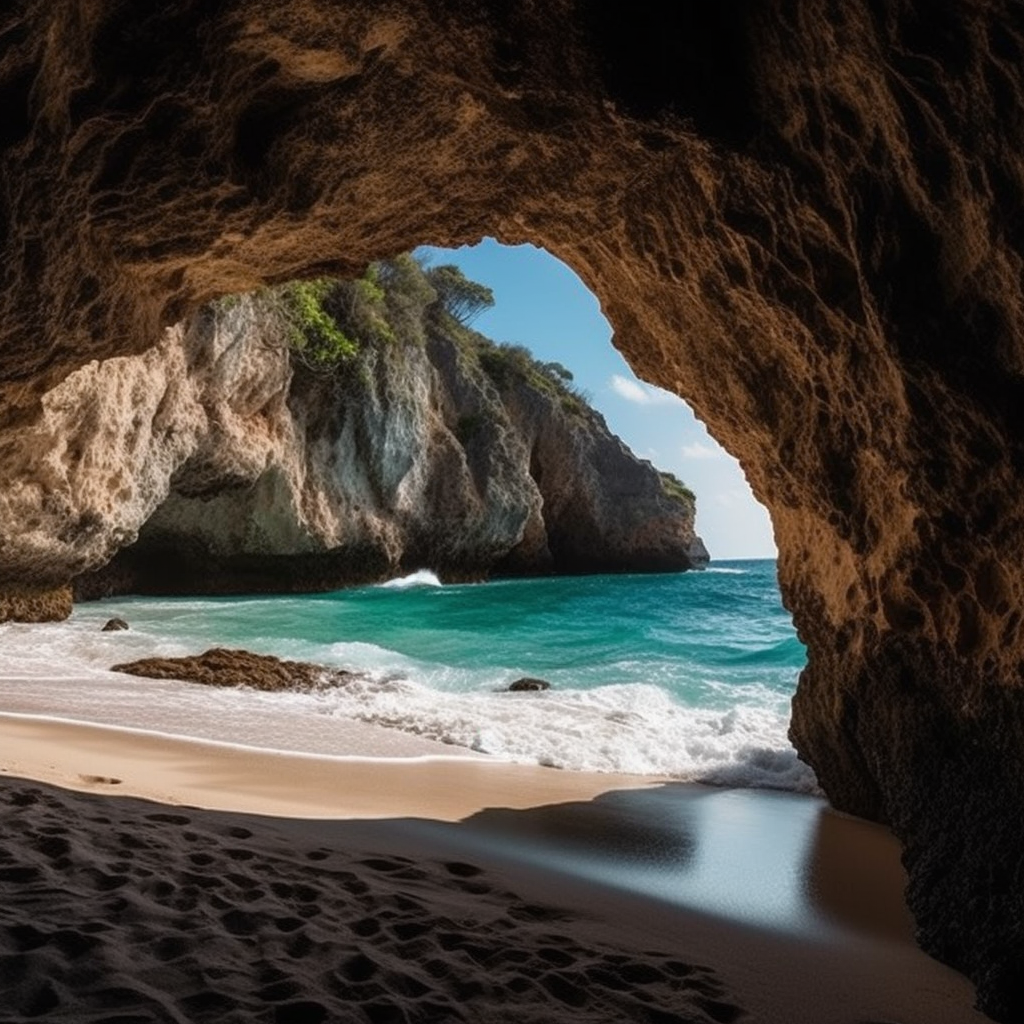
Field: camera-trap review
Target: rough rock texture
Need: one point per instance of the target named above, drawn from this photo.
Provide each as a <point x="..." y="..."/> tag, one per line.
<point x="220" y="666"/>
<point x="805" y="218"/>
<point x="239" y="470"/>
<point x="35" y="604"/>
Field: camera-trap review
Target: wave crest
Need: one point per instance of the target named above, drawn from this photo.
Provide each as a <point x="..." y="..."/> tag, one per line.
<point x="419" y="578"/>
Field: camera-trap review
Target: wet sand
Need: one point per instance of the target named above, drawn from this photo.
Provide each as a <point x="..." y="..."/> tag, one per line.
<point x="148" y="878"/>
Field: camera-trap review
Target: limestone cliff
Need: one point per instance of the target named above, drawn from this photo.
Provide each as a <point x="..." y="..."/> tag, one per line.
<point x="804" y="218"/>
<point x="233" y="457"/>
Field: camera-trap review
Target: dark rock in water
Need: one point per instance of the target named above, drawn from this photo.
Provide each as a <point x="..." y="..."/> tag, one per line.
<point x="222" y="667"/>
<point x="114" y="625"/>
<point x="528" y="685"/>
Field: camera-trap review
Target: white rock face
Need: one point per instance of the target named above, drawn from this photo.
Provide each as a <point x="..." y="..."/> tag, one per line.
<point x="211" y="463"/>
<point x="83" y="479"/>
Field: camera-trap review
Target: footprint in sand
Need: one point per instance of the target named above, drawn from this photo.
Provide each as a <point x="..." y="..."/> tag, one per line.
<point x="19" y="875"/>
<point x="100" y="780"/>
<point x="287" y="940"/>
<point x="461" y="870"/>
<point x="279" y="991"/>
<point x="304" y="1012"/>
<point x="237" y="922"/>
<point x="168" y="819"/>
<point x="24" y="798"/>
<point x="170" y="947"/>
<point x="564" y="990"/>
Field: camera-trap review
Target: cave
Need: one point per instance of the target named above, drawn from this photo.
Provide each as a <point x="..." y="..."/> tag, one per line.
<point x="804" y="219"/>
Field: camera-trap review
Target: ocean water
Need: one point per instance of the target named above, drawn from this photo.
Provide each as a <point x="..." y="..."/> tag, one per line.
<point x="686" y="675"/>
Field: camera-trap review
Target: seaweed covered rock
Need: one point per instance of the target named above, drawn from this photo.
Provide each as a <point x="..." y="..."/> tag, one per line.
<point x="220" y="666"/>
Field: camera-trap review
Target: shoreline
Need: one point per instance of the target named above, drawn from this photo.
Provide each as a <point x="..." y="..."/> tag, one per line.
<point x="729" y="904"/>
<point x="627" y="702"/>
<point x="415" y="778"/>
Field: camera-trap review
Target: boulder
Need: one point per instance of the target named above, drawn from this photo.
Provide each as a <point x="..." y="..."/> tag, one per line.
<point x="223" y="667"/>
<point x="528" y="685"/>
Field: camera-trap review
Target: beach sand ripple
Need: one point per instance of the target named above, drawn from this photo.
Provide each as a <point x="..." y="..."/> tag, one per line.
<point x="117" y="912"/>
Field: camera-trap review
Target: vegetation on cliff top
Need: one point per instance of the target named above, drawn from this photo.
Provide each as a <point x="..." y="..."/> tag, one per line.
<point x="329" y="324"/>
<point x="675" y="488"/>
<point x="326" y="323"/>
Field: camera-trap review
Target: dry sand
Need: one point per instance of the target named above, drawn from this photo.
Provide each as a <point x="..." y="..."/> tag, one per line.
<point x="428" y="890"/>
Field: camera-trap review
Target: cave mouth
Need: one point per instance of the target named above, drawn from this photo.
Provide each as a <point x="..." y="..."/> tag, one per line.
<point x="707" y="659"/>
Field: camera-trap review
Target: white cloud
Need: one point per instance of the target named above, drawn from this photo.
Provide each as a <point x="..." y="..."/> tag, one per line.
<point x="698" y="450"/>
<point x="638" y="392"/>
<point x="629" y="390"/>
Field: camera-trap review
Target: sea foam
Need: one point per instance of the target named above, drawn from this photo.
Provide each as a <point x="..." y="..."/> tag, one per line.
<point x="630" y="728"/>
<point x="686" y="677"/>
<point x="419" y="578"/>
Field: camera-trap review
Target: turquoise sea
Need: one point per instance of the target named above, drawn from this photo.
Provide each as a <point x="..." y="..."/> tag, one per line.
<point x="685" y="675"/>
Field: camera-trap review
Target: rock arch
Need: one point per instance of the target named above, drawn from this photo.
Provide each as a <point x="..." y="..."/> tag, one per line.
<point x="806" y="219"/>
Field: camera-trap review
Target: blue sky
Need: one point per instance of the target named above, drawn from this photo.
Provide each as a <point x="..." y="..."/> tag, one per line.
<point x="542" y="304"/>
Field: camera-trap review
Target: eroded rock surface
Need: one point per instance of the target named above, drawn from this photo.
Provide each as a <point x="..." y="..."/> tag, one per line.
<point x="35" y="604"/>
<point x="221" y="666"/>
<point x="806" y="219"/>
<point x="221" y="463"/>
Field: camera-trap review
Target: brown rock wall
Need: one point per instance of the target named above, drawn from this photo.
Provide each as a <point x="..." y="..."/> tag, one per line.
<point x="805" y="218"/>
<point x="33" y="604"/>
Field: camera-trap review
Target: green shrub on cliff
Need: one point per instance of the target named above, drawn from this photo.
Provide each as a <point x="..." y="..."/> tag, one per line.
<point x="408" y="295"/>
<point x="326" y="323"/>
<point x="510" y="365"/>
<point x="506" y="365"/>
<point x="675" y="488"/>
<point x="563" y="373"/>
<point x="359" y="308"/>
<point x="313" y="333"/>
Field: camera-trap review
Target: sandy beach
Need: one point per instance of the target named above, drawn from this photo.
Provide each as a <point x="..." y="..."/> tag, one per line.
<point x="145" y="877"/>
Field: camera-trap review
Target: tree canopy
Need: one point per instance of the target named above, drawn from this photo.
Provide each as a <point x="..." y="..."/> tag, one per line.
<point x="460" y="297"/>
